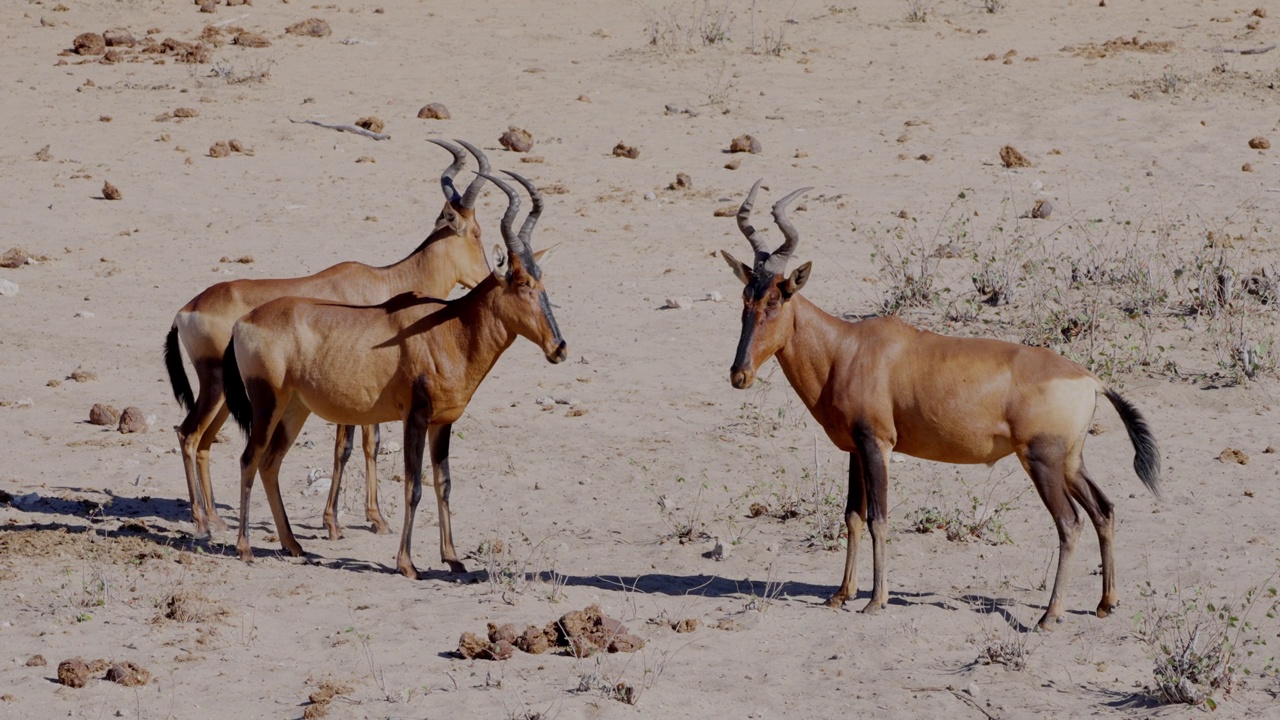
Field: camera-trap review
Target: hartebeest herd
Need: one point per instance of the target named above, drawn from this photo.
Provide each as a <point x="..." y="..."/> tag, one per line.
<point x="362" y="345"/>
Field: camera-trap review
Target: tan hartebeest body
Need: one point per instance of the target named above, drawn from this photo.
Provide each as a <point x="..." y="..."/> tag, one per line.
<point x="413" y="358"/>
<point x="452" y="254"/>
<point x="881" y="385"/>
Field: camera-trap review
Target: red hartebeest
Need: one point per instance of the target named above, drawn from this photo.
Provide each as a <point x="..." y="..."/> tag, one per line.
<point x="452" y="254"/>
<point x="881" y="385"/>
<point x="413" y="358"/>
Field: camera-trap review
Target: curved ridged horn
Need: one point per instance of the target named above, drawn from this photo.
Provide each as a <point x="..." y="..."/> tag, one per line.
<point x="515" y="246"/>
<point x="446" y="178"/>
<point x="777" y="262"/>
<point x="526" y="230"/>
<point x="473" y="190"/>
<point x="744" y="224"/>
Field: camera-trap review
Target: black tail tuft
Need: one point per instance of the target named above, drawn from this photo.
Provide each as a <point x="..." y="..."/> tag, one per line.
<point x="233" y="388"/>
<point x="177" y="375"/>
<point x="1146" y="461"/>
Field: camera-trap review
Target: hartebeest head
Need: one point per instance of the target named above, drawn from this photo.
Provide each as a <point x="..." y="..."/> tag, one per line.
<point x="459" y="215"/>
<point x="527" y="309"/>
<point x="766" y="312"/>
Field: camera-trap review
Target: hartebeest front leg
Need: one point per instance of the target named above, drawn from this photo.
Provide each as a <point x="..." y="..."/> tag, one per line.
<point x="875" y="475"/>
<point x="371" y="441"/>
<point x="415" y="440"/>
<point x="855" y="518"/>
<point x="438" y="437"/>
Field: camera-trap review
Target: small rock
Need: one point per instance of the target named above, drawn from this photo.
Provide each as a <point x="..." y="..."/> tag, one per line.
<point x="726" y="211"/>
<point x="1042" y="210"/>
<point x="757" y="509"/>
<point x="434" y="111"/>
<point x="73" y="673"/>
<point x="686" y="625"/>
<point x="101" y="414"/>
<point x="85" y="314"/>
<point x="314" y="27"/>
<point x="128" y="674"/>
<point x="1233" y="455"/>
<point x="15" y="257"/>
<point x="897" y="457"/>
<point x="627" y="151"/>
<point x="118" y="37"/>
<point x="682" y="182"/>
<point x="36" y="661"/>
<point x="132" y="420"/>
<point x="389" y="447"/>
<point x="1011" y="158"/>
<point x="545" y="401"/>
<point x="89" y="43"/>
<point x="714" y="296"/>
<point x="219" y="149"/>
<point x="1259" y="143"/>
<point x="208" y="6"/>
<point x="972" y="690"/>
<point x="317" y="483"/>
<point x="185" y="112"/>
<point x="249" y="39"/>
<point x="720" y="551"/>
<point x="516" y="140"/>
<point x="43" y="154"/>
<point x="110" y="192"/>
<point x="1270" y="450"/>
<point x="373" y="123"/>
<point x="746" y="144"/>
<point x="733" y="164"/>
<point x="679" y="303"/>
<point x="1247" y="167"/>
<point x="650" y="196"/>
<point x="8" y="288"/>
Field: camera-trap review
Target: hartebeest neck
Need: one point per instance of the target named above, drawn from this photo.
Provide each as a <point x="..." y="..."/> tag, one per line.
<point x="467" y="337"/>
<point x="409" y="273"/>
<point x="809" y="354"/>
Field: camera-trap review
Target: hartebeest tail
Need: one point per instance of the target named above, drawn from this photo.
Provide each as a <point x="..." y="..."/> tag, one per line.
<point x="1146" y="459"/>
<point x="880" y="386"/>
<point x="452" y="254"/>
<point x="177" y="374"/>
<point x="413" y="358"/>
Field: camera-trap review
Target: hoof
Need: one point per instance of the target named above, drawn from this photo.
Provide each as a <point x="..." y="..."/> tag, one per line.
<point x="872" y="608"/>
<point x="456" y="566"/>
<point x="1046" y="624"/>
<point x="246" y="553"/>
<point x="217" y="524"/>
<point x="294" y="550"/>
<point x="380" y="528"/>
<point x="408" y="571"/>
<point x="836" y="601"/>
<point x="202" y="533"/>
<point x="335" y="532"/>
<point x="1107" y="608"/>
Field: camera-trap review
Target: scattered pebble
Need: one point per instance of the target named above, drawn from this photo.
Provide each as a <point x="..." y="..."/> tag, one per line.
<point x="101" y="414"/>
<point x="314" y="27"/>
<point x="650" y="195"/>
<point x="627" y="151"/>
<point x="679" y="303"/>
<point x="434" y="111"/>
<point x="373" y="123"/>
<point x="1011" y="158"/>
<point x="516" y="139"/>
<point x="682" y="182"/>
<point x="132" y="421"/>
<point x="8" y="288"/>
<point x="746" y="144"/>
<point x="89" y="43"/>
<point x="545" y="401"/>
<point x="1042" y="210"/>
<point x="389" y="447"/>
<point x="714" y="296"/>
<point x="128" y="674"/>
<point x="1259" y="143"/>
<point x="1233" y="455"/>
<point x="73" y="673"/>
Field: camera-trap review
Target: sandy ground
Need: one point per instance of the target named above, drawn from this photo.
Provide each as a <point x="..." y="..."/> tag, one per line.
<point x="1138" y="145"/>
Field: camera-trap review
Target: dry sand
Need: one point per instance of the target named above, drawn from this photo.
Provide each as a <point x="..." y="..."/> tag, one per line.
<point x="1138" y="145"/>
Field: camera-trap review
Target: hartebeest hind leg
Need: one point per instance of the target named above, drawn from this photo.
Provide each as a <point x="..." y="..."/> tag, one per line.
<point x="344" y="440"/>
<point x="287" y="430"/>
<point x="195" y="436"/>
<point x="269" y="439"/>
<point x="1044" y="460"/>
<point x="1102" y="513"/>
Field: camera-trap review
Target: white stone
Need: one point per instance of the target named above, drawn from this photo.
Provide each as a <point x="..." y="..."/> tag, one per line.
<point x="389" y="447"/>
<point x="546" y="401"/>
<point x="714" y="296"/>
<point x="317" y="483"/>
<point x="84" y="314"/>
<point x="650" y="196"/>
<point x="8" y="288"/>
<point x="680" y="303"/>
<point x="897" y="457"/>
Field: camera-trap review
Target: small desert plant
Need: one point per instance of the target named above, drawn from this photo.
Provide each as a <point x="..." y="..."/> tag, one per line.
<point x="993" y="6"/>
<point x="684" y="524"/>
<point x="917" y="11"/>
<point x="515" y="565"/>
<point x="1200" y="647"/>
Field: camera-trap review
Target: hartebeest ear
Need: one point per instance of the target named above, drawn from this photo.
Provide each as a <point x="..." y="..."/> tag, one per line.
<point x="545" y="254"/>
<point x="451" y="219"/>
<point x="740" y="269"/>
<point x="501" y="268"/>
<point x="797" y="280"/>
